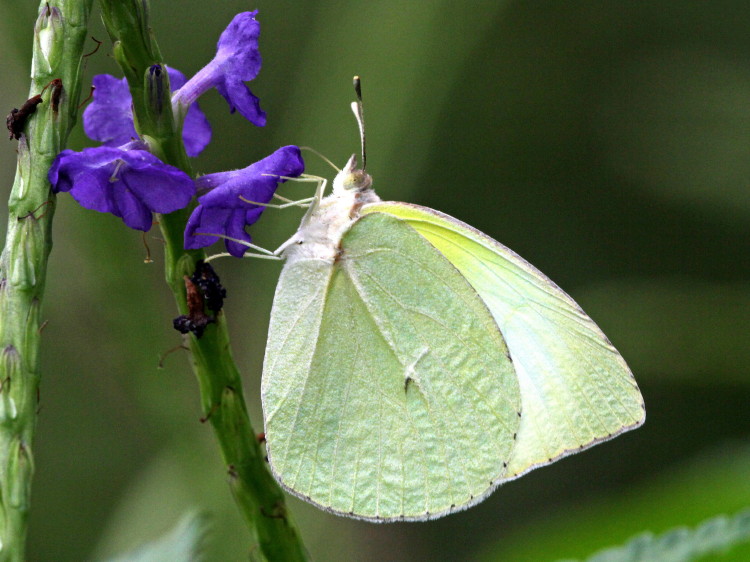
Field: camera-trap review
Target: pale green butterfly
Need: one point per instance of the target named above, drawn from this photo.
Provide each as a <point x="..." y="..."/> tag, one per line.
<point x="414" y="364"/>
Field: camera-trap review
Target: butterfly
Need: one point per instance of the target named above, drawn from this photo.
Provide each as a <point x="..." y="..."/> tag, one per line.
<point x="414" y="364"/>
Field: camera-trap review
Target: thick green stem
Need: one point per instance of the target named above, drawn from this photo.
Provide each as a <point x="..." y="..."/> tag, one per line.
<point x="59" y="38"/>
<point x="257" y="494"/>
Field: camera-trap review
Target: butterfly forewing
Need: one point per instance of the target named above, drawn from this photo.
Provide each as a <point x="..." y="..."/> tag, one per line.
<point x="387" y="389"/>
<point x="576" y="389"/>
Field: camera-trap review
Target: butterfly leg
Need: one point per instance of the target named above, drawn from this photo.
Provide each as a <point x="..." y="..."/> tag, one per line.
<point x="260" y="252"/>
<point x="288" y="202"/>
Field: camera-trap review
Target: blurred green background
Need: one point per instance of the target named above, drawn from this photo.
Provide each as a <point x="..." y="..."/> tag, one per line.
<point x="607" y="142"/>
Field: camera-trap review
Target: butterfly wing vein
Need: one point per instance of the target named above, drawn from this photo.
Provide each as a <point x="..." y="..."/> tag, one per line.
<point x="576" y="389"/>
<point x="389" y="393"/>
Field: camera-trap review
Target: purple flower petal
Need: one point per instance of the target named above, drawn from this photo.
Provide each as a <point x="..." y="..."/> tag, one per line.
<point x="257" y="182"/>
<point x="236" y="229"/>
<point x="109" y="117"/>
<point x="130" y="184"/>
<point x="196" y="130"/>
<point x="207" y="224"/>
<point x="237" y="61"/>
<point x="221" y="210"/>
<point x="240" y="98"/>
<point x="237" y="49"/>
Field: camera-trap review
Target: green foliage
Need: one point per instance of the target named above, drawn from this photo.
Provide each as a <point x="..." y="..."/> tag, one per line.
<point x="686" y="495"/>
<point x="186" y="541"/>
<point x="714" y="536"/>
<point x="58" y="38"/>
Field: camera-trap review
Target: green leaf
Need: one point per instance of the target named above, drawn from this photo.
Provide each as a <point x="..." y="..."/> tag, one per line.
<point x="681" y="544"/>
<point x="184" y="542"/>
<point x="684" y="493"/>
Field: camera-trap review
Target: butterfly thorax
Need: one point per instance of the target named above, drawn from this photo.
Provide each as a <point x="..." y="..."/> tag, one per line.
<point x="321" y="230"/>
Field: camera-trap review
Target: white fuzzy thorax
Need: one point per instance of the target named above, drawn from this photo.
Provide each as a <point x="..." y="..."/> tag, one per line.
<point x="329" y="218"/>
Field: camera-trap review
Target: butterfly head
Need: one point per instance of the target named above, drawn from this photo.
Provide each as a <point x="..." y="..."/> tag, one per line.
<point x="352" y="178"/>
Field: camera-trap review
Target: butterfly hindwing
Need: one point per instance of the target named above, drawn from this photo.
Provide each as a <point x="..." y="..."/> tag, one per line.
<point x="387" y="389"/>
<point x="576" y="389"/>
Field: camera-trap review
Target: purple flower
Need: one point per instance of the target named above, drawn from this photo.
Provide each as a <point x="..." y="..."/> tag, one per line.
<point x="223" y="212"/>
<point x="128" y="182"/>
<point x="237" y="61"/>
<point x="109" y="118"/>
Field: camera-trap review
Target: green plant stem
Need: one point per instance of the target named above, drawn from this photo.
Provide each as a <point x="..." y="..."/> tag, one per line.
<point x="257" y="494"/>
<point x="59" y="38"/>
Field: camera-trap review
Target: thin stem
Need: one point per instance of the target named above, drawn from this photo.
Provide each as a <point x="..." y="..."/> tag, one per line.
<point x="257" y="494"/>
<point x="60" y="34"/>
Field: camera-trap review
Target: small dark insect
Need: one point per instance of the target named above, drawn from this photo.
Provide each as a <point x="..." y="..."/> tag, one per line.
<point x="196" y="319"/>
<point x="16" y="119"/>
<point x="209" y="285"/>
<point x="204" y="291"/>
<point x="54" y="98"/>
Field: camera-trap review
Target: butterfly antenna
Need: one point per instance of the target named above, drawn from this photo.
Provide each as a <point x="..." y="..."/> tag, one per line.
<point x="359" y="114"/>
<point x="319" y="155"/>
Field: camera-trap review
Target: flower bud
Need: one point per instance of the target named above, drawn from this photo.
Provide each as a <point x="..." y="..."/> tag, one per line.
<point x="128" y="18"/>
<point x="11" y="369"/>
<point x="23" y="172"/>
<point x="20" y="461"/>
<point x="27" y="243"/>
<point x="48" y="40"/>
<point x="158" y="99"/>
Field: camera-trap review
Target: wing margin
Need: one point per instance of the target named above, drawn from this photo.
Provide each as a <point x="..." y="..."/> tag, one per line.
<point x="376" y="253"/>
<point x="548" y="335"/>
